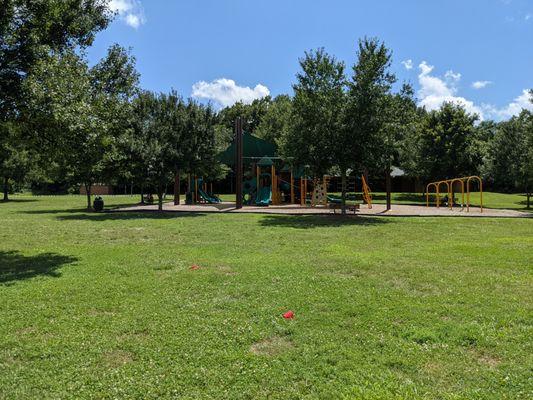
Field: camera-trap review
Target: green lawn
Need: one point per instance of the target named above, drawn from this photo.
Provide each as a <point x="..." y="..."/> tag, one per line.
<point x="106" y="306"/>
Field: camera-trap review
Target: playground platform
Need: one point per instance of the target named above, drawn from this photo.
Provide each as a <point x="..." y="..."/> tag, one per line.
<point x="398" y="210"/>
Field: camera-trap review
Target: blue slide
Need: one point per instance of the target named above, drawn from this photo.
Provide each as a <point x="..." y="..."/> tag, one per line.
<point x="264" y="196"/>
<point x="207" y="198"/>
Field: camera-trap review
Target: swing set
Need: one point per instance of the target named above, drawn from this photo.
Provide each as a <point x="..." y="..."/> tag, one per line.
<point x="449" y="190"/>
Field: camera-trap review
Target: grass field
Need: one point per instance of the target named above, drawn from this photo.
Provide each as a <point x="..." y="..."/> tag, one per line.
<point x="106" y="305"/>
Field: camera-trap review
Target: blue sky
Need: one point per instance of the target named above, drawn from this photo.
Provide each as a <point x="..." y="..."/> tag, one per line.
<point x="476" y="52"/>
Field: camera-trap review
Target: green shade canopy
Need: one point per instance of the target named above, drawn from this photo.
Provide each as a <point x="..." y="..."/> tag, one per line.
<point x="253" y="149"/>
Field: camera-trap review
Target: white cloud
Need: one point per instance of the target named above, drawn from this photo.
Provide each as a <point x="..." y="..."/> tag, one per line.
<point x="129" y="11"/>
<point x="520" y="103"/>
<point x="408" y="64"/>
<point x="480" y="84"/>
<point x="434" y="90"/>
<point x="528" y="17"/>
<point x="226" y="92"/>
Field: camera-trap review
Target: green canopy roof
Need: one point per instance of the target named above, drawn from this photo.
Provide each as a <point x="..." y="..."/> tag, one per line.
<point x="253" y="149"/>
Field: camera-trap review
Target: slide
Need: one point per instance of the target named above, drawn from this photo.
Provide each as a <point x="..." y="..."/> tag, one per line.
<point x="334" y="199"/>
<point x="207" y="198"/>
<point x="264" y="196"/>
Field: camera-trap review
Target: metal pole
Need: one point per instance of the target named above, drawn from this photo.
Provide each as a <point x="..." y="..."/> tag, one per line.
<point x="238" y="162"/>
<point x="177" y="188"/>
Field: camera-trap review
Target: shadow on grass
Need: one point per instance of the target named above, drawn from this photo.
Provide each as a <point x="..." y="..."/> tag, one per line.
<point x="72" y="210"/>
<point x="127" y="215"/>
<point x="320" y="221"/>
<point x="15" y="266"/>
<point x="11" y="201"/>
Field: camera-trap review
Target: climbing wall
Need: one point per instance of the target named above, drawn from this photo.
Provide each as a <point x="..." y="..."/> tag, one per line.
<point x="320" y="194"/>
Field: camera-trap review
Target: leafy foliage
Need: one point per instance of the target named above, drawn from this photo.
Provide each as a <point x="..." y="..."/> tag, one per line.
<point x="317" y="112"/>
<point x="81" y="110"/>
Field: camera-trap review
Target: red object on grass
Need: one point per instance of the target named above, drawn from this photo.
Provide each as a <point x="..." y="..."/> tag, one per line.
<point x="288" y="315"/>
<point x="194" y="267"/>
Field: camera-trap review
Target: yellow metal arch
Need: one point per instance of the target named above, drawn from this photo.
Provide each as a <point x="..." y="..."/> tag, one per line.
<point x="427" y="191"/>
<point x="449" y="186"/>
<point x="480" y="192"/>
<point x="462" y="182"/>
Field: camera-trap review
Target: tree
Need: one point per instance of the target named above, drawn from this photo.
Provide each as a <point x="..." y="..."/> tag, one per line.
<point x="251" y="114"/>
<point x="82" y="110"/>
<point x="276" y="121"/>
<point x="509" y="162"/>
<point x="29" y="32"/>
<point x="171" y="135"/>
<point x="445" y="144"/>
<point x="14" y="158"/>
<point x="367" y="140"/>
<point x="317" y="110"/>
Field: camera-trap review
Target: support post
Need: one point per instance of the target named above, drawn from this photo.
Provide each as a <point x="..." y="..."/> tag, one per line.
<point x="177" y="188"/>
<point x="292" y="188"/>
<point x="305" y="192"/>
<point x="238" y="162"/>
<point x="388" y="188"/>
<point x="195" y="189"/>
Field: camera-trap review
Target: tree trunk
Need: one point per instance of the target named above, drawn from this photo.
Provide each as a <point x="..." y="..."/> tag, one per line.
<point x="6" y="188"/>
<point x="528" y="200"/>
<point x="160" y="197"/>
<point x="177" y="188"/>
<point x="88" y="187"/>
<point x="388" y="188"/>
<point x="343" y="193"/>
<point x="142" y="194"/>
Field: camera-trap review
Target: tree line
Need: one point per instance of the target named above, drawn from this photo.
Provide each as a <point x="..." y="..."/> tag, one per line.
<point x="63" y="120"/>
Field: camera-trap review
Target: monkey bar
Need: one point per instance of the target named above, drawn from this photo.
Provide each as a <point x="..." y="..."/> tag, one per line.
<point x="449" y="187"/>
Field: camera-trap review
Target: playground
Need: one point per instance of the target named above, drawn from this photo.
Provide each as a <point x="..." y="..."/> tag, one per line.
<point x="268" y="184"/>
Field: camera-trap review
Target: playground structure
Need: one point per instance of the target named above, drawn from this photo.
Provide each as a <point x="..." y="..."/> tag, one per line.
<point x="262" y="178"/>
<point x="199" y="193"/>
<point x="450" y="193"/>
<point x="367" y="194"/>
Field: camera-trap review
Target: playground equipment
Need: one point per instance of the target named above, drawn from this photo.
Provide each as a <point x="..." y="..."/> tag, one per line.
<point x="449" y="191"/>
<point x="201" y="193"/>
<point x="367" y="194"/>
<point x="320" y="192"/>
<point x="265" y="182"/>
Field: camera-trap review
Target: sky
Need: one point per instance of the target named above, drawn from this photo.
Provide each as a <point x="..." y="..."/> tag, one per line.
<point x="478" y="53"/>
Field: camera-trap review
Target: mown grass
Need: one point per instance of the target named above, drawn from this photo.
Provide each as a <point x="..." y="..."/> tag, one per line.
<point x="106" y="306"/>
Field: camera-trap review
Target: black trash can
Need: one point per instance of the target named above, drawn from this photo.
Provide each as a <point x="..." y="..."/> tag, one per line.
<point x="188" y="198"/>
<point x="98" y="204"/>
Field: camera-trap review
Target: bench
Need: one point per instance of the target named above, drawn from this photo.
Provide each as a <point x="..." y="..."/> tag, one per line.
<point x="349" y="207"/>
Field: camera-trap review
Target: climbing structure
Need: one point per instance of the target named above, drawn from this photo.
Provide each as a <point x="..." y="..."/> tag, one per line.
<point x="367" y="194"/>
<point x="320" y="193"/>
<point x="450" y="194"/>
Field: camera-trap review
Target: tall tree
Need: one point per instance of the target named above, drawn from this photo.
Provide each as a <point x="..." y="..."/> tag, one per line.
<point x="401" y="119"/>
<point x="276" y="121"/>
<point x="317" y="110"/>
<point x="170" y="134"/>
<point x="365" y="141"/>
<point x="445" y="144"/>
<point x="82" y="110"/>
<point x="14" y="157"/>
<point x="31" y="31"/>
<point x="509" y="162"/>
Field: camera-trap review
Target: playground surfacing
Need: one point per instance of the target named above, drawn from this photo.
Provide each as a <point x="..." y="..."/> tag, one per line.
<point x="398" y="210"/>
